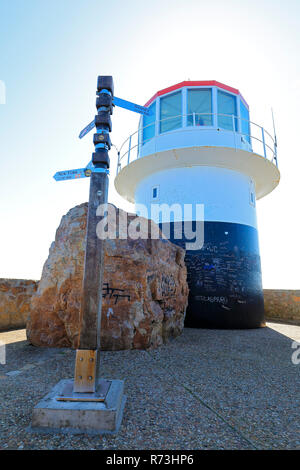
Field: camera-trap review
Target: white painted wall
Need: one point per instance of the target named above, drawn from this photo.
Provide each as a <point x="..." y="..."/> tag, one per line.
<point x="224" y="193"/>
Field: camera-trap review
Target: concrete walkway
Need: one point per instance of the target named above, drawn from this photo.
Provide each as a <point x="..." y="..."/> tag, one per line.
<point x="208" y="389"/>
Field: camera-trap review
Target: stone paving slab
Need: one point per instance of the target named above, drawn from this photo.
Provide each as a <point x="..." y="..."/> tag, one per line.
<point x="208" y="389"/>
<point x="245" y="376"/>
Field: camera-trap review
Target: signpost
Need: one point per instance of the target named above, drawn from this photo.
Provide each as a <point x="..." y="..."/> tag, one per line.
<point x="89" y="403"/>
<point x="87" y="355"/>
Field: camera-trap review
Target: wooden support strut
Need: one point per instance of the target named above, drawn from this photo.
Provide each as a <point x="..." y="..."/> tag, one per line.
<point x="87" y="358"/>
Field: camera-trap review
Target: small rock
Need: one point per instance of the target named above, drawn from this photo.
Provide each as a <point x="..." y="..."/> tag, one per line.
<point x="13" y="373"/>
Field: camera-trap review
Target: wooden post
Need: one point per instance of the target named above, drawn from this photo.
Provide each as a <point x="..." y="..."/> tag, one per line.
<point x="87" y="355"/>
<point x="91" y="299"/>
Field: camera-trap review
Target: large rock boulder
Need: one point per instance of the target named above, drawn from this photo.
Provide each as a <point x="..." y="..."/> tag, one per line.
<point x="15" y="298"/>
<point x="145" y="291"/>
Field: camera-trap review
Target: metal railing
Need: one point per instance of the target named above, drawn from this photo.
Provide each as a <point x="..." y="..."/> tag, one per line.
<point x="256" y="140"/>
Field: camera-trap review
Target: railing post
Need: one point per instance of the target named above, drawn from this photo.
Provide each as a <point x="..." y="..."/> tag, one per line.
<point x="233" y="123"/>
<point x="263" y="141"/>
<point x="275" y="150"/>
<point x="118" y="165"/>
<point x="233" y="129"/>
<point x="139" y="144"/>
<point x="129" y="149"/>
<point x="275" y="147"/>
<point x="194" y="119"/>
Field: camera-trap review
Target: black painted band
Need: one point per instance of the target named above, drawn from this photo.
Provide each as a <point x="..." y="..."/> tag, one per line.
<point x="224" y="277"/>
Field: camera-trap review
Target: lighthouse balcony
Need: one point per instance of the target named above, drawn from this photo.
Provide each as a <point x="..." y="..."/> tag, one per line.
<point x="197" y="130"/>
<point x="198" y="139"/>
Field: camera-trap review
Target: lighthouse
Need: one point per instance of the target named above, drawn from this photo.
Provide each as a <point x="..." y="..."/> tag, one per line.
<point x="197" y="161"/>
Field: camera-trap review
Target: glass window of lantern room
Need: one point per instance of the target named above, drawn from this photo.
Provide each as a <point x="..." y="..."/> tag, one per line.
<point x="245" y="125"/>
<point x="226" y="109"/>
<point x="199" y="102"/>
<point x="149" y="124"/>
<point x="170" y="112"/>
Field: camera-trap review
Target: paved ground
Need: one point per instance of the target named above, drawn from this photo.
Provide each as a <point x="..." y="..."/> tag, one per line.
<point x="207" y="389"/>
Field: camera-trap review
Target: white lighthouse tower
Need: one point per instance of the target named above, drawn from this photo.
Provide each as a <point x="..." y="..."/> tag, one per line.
<point x="198" y="147"/>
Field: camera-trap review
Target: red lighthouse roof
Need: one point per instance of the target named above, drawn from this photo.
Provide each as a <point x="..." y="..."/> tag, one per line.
<point x="190" y="83"/>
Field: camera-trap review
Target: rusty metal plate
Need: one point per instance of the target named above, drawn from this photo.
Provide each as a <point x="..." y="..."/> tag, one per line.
<point x="68" y="393"/>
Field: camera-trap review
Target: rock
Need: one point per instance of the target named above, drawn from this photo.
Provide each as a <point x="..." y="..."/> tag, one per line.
<point x="145" y="291"/>
<point x="15" y="298"/>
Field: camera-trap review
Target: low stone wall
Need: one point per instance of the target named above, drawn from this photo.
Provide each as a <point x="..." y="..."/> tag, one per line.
<point x="282" y="305"/>
<point x="15" y="298"/>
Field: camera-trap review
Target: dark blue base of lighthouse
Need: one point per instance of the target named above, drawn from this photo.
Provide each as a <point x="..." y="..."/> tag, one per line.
<point x="224" y="278"/>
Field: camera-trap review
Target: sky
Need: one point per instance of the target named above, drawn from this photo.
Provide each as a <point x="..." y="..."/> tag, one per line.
<point x="51" y="52"/>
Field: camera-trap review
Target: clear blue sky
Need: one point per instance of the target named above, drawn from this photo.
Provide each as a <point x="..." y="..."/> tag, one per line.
<point x="51" y="52"/>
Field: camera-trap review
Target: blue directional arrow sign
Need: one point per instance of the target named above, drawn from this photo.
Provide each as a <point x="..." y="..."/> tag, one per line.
<point x="72" y="174"/>
<point x="79" y="173"/>
<point x="87" y="129"/>
<point x="122" y="104"/>
<point x="131" y="106"/>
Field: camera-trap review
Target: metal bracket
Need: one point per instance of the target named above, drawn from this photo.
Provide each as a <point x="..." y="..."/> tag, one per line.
<point x="99" y="395"/>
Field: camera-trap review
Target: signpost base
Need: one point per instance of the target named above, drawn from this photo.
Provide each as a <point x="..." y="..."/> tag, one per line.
<point x="64" y="411"/>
